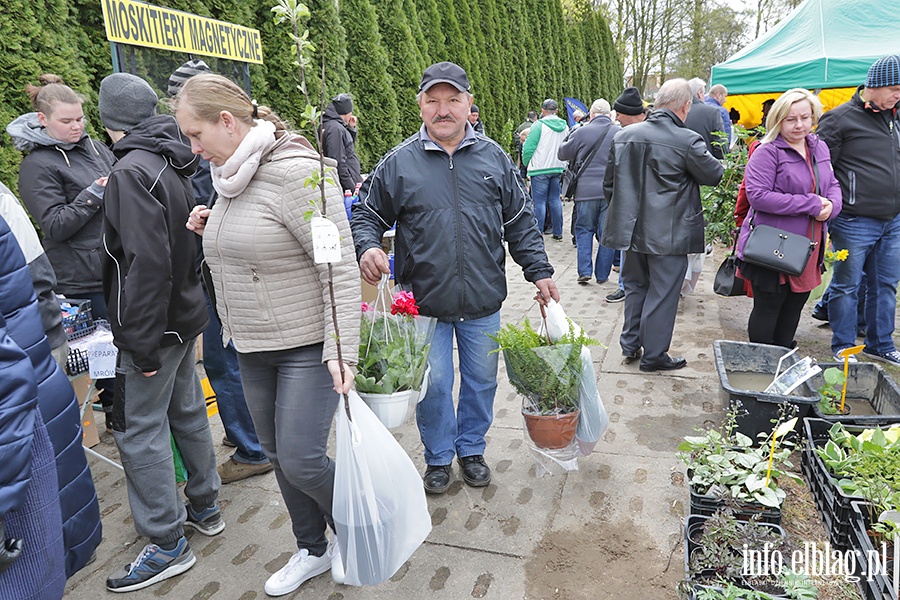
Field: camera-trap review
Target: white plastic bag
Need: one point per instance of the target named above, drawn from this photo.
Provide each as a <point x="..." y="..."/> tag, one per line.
<point x="379" y="507"/>
<point x="593" y="419"/>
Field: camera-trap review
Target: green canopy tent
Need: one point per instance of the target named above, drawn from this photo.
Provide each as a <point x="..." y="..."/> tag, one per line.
<point x="822" y="44"/>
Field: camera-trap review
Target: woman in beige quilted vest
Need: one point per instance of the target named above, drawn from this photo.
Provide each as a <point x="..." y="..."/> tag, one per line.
<point x="273" y="299"/>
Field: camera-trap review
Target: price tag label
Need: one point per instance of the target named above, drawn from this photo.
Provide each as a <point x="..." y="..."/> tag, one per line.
<point x="326" y="241"/>
<point x="102" y="359"/>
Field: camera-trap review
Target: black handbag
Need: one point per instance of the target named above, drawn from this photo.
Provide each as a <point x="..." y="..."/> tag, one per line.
<point x="570" y="176"/>
<point x="727" y="283"/>
<point x="781" y="250"/>
<point x="777" y="249"/>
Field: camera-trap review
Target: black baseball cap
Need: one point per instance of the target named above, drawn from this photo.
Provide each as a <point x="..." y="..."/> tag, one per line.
<point x="549" y="104"/>
<point x="445" y="72"/>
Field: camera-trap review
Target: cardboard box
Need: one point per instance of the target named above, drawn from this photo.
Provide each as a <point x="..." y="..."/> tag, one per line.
<point x="81" y="385"/>
<point x="370" y="292"/>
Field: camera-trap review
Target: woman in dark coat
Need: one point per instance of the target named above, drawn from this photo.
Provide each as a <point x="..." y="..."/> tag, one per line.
<point x="57" y="403"/>
<point x="31" y="540"/>
<point x="61" y="182"/>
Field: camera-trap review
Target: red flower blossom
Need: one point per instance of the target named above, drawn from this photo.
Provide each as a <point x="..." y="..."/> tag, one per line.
<point x="404" y="304"/>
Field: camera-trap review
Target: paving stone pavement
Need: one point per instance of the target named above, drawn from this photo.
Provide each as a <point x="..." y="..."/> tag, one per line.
<point x="482" y="539"/>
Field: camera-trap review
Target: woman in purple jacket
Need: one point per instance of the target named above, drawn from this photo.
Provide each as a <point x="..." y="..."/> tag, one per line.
<point x="790" y="185"/>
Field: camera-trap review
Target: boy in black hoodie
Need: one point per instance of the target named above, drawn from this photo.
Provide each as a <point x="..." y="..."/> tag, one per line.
<point x="156" y="310"/>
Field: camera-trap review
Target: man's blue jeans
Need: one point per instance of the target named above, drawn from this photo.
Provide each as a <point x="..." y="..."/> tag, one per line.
<point x="874" y="247"/>
<point x="446" y="433"/>
<point x="221" y="364"/>
<point x="589" y="224"/>
<point x="545" y="193"/>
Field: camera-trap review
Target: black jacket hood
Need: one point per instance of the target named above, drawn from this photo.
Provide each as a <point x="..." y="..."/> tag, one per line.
<point x="160" y="135"/>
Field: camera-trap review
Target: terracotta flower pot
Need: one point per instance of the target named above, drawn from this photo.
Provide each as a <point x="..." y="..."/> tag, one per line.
<point x="551" y="431"/>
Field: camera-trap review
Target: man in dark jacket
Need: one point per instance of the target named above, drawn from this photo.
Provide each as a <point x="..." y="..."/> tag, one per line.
<point x="653" y="184"/>
<point x="338" y="135"/>
<point x="455" y="198"/>
<point x="592" y="142"/>
<point x="475" y="120"/>
<point x="863" y="135"/>
<point x="705" y="120"/>
<point x="157" y="311"/>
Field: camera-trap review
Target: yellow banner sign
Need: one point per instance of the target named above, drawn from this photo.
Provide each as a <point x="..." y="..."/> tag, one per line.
<point x="143" y="24"/>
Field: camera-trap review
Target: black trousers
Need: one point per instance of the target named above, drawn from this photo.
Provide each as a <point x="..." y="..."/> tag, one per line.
<point x="775" y="316"/>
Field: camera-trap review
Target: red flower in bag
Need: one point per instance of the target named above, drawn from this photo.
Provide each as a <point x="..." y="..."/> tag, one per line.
<point x="404" y="304"/>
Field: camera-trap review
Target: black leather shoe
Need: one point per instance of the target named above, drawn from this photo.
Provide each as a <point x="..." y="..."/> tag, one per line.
<point x="436" y="479"/>
<point x="475" y="471"/>
<point x="820" y="313"/>
<point x="632" y="355"/>
<point x="665" y="364"/>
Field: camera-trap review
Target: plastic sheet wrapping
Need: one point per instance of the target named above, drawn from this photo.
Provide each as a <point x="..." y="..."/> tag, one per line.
<point x="394" y="343"/>
<point x="379" y="507"/>
<point x="592" y="419"/>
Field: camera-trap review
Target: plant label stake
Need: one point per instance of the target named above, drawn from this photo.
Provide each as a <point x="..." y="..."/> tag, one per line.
<point x="326" y="241"/>
<point x="782" y="431"/>
<point x="846" y="353"/>
<point x="894" y="517"/>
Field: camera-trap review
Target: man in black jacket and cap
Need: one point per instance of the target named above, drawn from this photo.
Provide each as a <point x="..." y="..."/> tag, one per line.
<point x="157" y="310"/>
<point x="456" y="198"/>
<point x="338" y="139"/>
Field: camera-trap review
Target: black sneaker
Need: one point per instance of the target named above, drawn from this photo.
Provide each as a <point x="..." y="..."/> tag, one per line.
<point x="476" y="473"/>
<point x="436" y="479"/>
<point x="820" y="313"/>
<point x="151" y="566"/>
<point x="616" y="296"/>
<point x="208" y="521"/>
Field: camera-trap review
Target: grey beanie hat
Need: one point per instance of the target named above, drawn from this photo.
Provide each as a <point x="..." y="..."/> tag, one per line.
<point x="884" y="72"/>
<point x="125" y="101"/>
<point x="185" y="72"/>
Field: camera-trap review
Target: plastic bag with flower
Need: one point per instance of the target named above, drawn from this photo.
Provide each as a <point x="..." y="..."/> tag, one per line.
<point x="393" y="353"/>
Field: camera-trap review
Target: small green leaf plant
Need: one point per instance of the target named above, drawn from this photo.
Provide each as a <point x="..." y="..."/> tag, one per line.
<point x="546" y="375"/>
<point x="830" y="392"/>
<point x="726" y="463"/>
<point x="866" y="465"/>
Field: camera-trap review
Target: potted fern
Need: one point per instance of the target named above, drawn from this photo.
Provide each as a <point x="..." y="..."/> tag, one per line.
<point x="547" y="376"/>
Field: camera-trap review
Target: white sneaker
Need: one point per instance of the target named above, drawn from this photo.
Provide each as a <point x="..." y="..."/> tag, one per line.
<point x="337" y="562"/>
<point x="301" y="567"/>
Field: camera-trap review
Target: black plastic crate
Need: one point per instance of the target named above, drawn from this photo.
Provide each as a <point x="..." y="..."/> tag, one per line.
<point x="866" y="382"/>
<point x="877" y="584"/>
<point x="833" y="503"/>
<point x="706" y="505"/>
<point x="761" y="407"/>
<point x="76" y="361"/>
<point x="77" y="323"/>
<point x="689" y="546"/>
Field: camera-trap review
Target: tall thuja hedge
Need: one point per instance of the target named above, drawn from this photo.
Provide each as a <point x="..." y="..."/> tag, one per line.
<point x="373" y="89"/>
<point x="432" y="29"/>
<point x="327" y="34"/>
<point x="405" y="65"/>
<point x="34" y="43"/>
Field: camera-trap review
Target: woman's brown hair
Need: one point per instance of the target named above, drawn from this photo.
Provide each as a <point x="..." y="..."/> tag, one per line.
<point x="208" y="94"/>
<point x="51" y="91"/>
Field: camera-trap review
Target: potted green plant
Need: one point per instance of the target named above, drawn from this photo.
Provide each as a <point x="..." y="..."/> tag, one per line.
<point x="830" y="392"/>
<point x="393" y="357"/>
<point x="726" y="465"/>
<point x="547" y="376"/>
